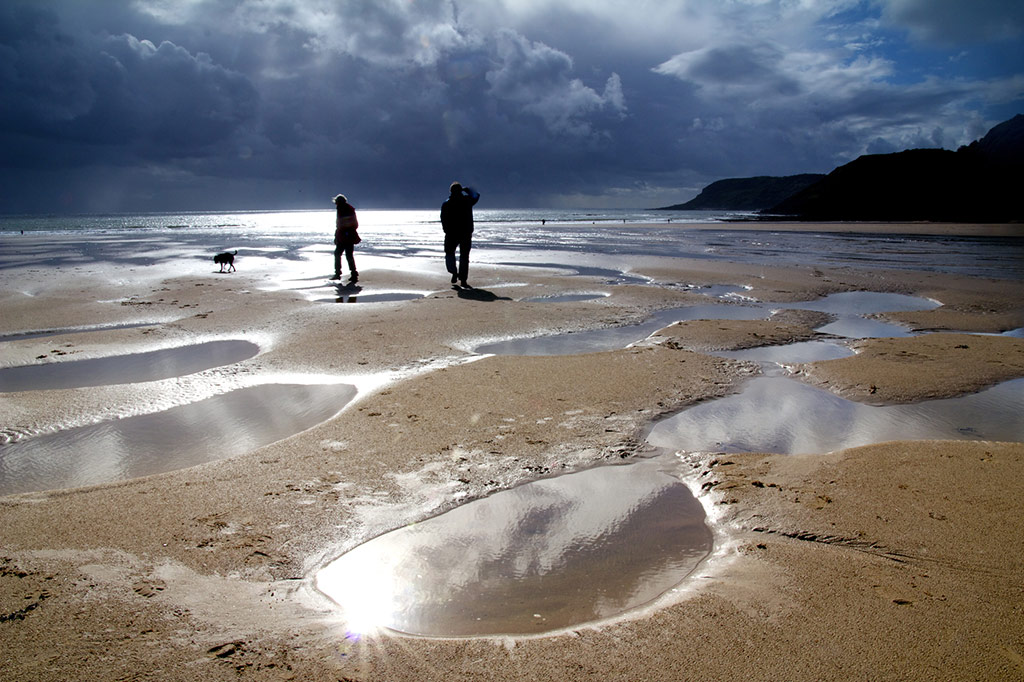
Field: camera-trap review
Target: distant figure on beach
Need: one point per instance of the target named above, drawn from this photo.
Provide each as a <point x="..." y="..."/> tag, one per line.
<point x="457" y="223"/>
<point x="346" y="236"/>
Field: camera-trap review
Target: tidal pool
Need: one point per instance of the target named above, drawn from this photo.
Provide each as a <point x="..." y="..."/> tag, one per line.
<point x="207" y="430"/>
<point x="852" y="307"/>
<point x="357" y="296"/>
<point x="619" y="337"/>
<point x="863" y="328"/>
<point x="608" y="275"/>
<point x="781" y="415"/>
<point x="125" y="369"/>
<point x="790" y="353"/>
<point x="864" y="303"/>
<point x="544" y="556"/>
<point x="848" y="307"/>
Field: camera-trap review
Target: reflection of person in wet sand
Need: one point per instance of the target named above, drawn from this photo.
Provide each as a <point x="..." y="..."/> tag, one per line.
<point x="346" y="236"/>
<point x="457" y="223"/>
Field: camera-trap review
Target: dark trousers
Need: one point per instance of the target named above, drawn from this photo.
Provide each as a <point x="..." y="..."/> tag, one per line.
<point x="349" y="250"/>
<point x="464" y="243"/>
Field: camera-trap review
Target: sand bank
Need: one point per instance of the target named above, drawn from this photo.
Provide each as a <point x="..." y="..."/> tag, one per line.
<point x="895" y="561"/>
<point x="931" y="366"/>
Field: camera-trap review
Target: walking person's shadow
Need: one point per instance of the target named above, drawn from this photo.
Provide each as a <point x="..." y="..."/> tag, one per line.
<point x="472" y="294"/>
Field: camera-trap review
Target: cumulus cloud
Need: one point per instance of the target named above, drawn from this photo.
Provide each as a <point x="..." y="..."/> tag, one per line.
<point x="830" y="98"/>
<point x="392" y="32"/>
<point x="539" y="79"/>
<point x="385" y="32"/>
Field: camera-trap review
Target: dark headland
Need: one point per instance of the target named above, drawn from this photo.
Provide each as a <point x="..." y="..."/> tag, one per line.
<point x="747" y="194"/>
<point x="979" y="182"/>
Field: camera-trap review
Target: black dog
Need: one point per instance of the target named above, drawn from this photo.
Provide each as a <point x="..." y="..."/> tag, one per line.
<point x="226" y="258"/>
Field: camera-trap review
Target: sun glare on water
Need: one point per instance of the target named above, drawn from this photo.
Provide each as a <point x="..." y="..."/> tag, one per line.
<point x="364" y="587"/>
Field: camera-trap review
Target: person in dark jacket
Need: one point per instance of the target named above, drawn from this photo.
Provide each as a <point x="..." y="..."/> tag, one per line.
<point x="346" y="236"/>
<point x="457" y="223"/>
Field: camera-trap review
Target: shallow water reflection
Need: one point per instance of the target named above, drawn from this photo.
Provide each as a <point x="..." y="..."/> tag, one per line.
<point x="864" y="303"/>
<point x="776" y="414"/>
<point x="608" y="275"/>
<point x="863" y="328"/>
<point x="546" y="555"/>
<point x="204" y="431"/>
<point x="852" y="306"/>
<point x="391" y="297"/>
<point x="848" y="307"/>
<point x="619" y="337"/>
<point x="791" y="353"/>
<point x="124" y="369"/>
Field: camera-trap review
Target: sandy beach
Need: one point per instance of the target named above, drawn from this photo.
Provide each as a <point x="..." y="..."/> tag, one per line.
<point x="895" y="561"/>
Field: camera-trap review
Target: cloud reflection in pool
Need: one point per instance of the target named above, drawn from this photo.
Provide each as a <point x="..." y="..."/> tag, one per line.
<point x="128" y="368"/>
<point x="216" y="428"/>
<point x="543" y="556"/>
<point x="781" y="415"/>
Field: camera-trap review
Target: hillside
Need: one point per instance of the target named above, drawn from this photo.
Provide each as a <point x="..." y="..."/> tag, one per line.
<point x="980" y="182"/>
<point x="746" y="194"/>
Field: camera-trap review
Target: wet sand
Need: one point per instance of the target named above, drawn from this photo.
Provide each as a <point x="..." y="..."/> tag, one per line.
<point x="895" y="561"/>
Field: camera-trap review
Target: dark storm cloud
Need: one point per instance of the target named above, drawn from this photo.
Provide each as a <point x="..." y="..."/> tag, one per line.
<point x="210" y="104"/>
<point x="154" y="101"/>
<point x="44" y="74"/>
<point x="167" y="100"/>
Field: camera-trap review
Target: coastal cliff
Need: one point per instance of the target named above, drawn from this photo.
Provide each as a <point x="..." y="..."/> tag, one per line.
<point x="979" y="182"/>
<point x="747" y="194"/>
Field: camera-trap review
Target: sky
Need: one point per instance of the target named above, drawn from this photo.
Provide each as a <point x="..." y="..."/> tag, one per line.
<point x="111" y="106"/>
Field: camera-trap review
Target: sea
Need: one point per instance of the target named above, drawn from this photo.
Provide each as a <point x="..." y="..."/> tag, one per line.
<point x="721" y="235"/>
